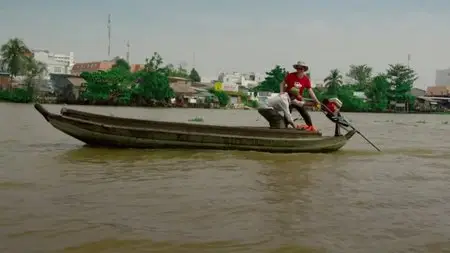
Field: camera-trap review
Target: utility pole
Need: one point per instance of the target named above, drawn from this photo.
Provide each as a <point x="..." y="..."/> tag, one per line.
<point x="128" y="51"/>
<point x="109" y="35"/>
<point x="407" y="102"/>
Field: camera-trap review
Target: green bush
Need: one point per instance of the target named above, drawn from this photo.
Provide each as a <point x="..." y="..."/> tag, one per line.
<point x="16" y="95"/>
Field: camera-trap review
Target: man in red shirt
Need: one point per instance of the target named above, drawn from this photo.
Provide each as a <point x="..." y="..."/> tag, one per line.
<point x="300" y="80"/>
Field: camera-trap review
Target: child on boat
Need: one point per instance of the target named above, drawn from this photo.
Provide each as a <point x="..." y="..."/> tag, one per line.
<point x="332" y="106"/>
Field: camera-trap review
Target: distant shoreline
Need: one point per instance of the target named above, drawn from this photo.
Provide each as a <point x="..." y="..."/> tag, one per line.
<point x="411" y="112"/>
<point x="221" y="108"/>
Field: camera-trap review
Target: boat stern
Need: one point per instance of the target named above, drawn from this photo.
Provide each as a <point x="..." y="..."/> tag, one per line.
<point x="350" y="134"/>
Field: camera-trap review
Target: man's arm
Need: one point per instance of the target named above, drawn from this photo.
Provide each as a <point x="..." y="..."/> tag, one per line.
<point x="313" y="95"/>
<point x="287" y="113"/>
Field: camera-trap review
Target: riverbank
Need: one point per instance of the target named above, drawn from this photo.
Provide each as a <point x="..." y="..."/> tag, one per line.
<point x="390" y="112"/>
<point x="196" y="106"/>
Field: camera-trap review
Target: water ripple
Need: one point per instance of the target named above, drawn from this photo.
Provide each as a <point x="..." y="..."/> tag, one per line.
<point x="60" y="196"/>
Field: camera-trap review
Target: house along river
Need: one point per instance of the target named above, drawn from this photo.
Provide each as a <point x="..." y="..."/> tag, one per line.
<point x="58" y="196"/>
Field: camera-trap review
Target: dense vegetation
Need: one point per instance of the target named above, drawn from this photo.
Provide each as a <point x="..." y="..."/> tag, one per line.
<point x="117" y="86"/>
<point x="120" y="86"/>
<point x="17" y="60"/>
<point x="149" y="86"/>
<point x="392" y="86"/>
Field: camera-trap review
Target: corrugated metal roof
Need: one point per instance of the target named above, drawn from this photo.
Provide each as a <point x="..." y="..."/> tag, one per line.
<point x="204" y="94"/>
<point x="181" y="88"/>
<point x="76" y="81"/>
<point x="438" y="90"/>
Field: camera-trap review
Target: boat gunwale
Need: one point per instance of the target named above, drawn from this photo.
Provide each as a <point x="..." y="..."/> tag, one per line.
<point x="60" y="125"/>
<point x="74" y="128"/>
<point x="158" y="130"/>
<point x="261" y="130"/>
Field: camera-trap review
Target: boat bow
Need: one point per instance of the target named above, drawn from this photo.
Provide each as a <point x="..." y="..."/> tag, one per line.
<point x="42" y="111"/>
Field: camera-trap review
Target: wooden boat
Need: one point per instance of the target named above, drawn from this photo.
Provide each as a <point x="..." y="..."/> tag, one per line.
<point x="110" y="131"/>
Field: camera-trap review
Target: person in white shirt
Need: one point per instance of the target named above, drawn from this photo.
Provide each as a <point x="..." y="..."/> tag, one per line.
<point x="281" y="102"/>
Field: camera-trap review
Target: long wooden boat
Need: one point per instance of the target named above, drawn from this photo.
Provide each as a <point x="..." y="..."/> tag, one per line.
<point x="110" y="131"/>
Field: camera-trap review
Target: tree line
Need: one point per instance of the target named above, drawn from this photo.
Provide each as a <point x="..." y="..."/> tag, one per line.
<point x="392" y="86"/>
<point x="17" y="60"/>
<point x="115" y="86"/>
<point x="120" y="86"/>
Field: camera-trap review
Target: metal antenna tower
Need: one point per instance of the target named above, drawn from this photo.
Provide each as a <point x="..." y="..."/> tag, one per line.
<point x="109" y="35"/>
<point x="128" y="51"/>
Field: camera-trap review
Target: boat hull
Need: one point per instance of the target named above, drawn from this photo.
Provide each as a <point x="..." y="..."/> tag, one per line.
<point x="107" y="135"/>
<point x="190" y="127"/>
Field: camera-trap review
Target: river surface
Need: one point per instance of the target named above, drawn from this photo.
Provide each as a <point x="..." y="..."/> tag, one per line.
<point x="58" y="196"/>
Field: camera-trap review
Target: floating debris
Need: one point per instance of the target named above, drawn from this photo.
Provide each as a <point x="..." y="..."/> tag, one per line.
<point x="197" y="119"/>
<point x="421" y="122"/>
<point x="445" y="122"/>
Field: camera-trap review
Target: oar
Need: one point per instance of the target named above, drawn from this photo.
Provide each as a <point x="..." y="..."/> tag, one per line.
<point x="362" y="135"/>
<point x="346" y="122"/>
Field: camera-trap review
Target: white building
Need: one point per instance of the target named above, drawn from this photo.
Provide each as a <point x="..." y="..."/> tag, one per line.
<point x="262" y="96"/>
<point x="442" y="77"/>
<point x="317" y="83"/>
<point x="232" y="81"/>
<point x="56" y="63"/>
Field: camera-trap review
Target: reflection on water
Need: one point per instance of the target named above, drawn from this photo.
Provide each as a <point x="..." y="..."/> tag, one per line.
<point x="89" y="154"/>
<point x="107" y="246"/>
<point x="60" y="196"/>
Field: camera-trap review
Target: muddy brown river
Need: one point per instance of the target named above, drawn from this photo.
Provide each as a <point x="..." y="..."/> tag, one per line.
<point x="58" y="196"/>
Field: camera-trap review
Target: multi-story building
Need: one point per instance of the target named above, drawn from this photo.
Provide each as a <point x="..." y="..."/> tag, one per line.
<point x="441" y="86"/>
<point x="442" y="77"/>
<point x="81" y="67"/>
<point x="436" y="97"/>
<point x="56" y="63"/>
<point x="232" y="81"/>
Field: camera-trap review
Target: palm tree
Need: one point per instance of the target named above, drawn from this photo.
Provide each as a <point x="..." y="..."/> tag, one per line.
<point x="361" y="74"/>
<point x="33" y="70"/>
<point x="14" y="56"/>
<point x="333" y="81"/>
<point x="123" y="64"/>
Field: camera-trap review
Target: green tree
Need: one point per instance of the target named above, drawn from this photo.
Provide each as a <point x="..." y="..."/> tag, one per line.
<point x="112" y="87"/>
<point x="182" y="72"/>
<point x="377" y="93"/>
<point x="119" y="86"/>
<point x="272" y="81"/>
<point x="194" y="76"/>
<point x="121" y="63"/>
<point x="34" y="71"/>
<point x="17" y="59"/>
<point x="153" y="85"/>
<point x="170" y="70"/>
<point x="333" y="82"/>
<point x="154" y="63"/>
<point x="361" y="76"/>
<point x="222" y="96"/>
<point x="14" y="56"/>
<point x="350" y="103"/>
<point x="401" y="79"/>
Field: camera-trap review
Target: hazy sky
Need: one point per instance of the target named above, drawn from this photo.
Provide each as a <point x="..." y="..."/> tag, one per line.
<point x="245" y="35"/>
